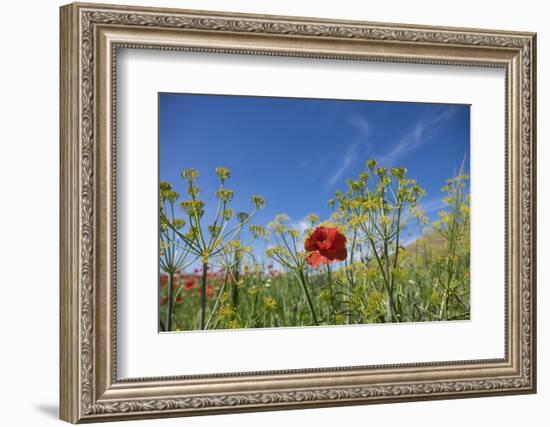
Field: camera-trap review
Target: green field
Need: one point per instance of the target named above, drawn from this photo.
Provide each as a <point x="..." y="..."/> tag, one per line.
<point x="358" y="266"/>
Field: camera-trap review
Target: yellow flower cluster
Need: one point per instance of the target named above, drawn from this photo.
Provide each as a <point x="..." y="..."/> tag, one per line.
<point x="269" y="303"/>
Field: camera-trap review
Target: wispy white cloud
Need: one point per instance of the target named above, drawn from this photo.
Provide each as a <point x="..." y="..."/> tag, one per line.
<point x="349" y="156"/>
<point x="300" y="225"/>
<point x="432" y="205"/>
<point x="363" y="129"/>
<point x="361" y="124"/>
<point x="421" y="133"/>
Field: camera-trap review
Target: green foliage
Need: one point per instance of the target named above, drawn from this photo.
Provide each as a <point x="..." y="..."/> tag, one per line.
<point x="381" y="280"/>
<point x="205" y="242"/>
<point x="377" y="207"/>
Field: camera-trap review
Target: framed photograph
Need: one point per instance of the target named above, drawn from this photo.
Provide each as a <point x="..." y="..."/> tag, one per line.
<point x="266" y="212"/>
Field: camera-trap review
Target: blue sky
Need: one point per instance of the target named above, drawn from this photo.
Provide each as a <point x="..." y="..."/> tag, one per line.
<point x="297" y="152"/>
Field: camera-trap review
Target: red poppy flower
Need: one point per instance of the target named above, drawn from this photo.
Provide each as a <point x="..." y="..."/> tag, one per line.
<point x="163" y="279"/>
<point x="179" y="300"/>
<point x="327" y="245"/>
<point x="163" y="300"/>
<point x="190" y="284"/>
<point x="210" y="291"/>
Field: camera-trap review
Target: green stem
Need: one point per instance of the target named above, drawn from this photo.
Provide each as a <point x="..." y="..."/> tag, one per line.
<point x="236" y="278"/>
<point x="302" y="280"/>
<point x="190" y="243"/>
<point x="351" y="277"/>
<point x="442" y="304"/>
<point x="390" y="302"/>
<point x="203" y="295"/>
<point x="222" y="290"/>
<point x="397" y="237"/>
<point x="170" y="303"/>
<point x="329" y="280"/>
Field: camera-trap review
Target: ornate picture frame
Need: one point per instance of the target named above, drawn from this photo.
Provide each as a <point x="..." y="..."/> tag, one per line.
<point x="90" y="37"/>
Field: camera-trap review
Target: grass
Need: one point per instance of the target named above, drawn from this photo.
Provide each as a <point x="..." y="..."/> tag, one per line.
<point x="351" y="268"/>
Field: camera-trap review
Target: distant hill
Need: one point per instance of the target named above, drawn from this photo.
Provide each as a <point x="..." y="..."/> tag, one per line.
<point x="424" y="247"/>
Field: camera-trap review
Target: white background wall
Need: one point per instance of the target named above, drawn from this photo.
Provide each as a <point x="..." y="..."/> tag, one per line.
<point x="29" y="170"/>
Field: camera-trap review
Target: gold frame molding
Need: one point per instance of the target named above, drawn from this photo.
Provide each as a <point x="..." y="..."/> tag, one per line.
<point x="90" y="37"/>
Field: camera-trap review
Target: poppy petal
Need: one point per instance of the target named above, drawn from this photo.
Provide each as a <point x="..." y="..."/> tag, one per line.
<point x="315" y="259"/>
<point x="335" y="254"/>
<point x="327" y="245"/>
<point x="339" y="240"/>
<point x="310" y="244"/>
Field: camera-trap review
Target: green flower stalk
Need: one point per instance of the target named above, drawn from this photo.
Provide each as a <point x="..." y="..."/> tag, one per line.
<point x="451" y="269"/>
<point x="376" y="207"/>
<point x="287" y="254"/>
<point x="369" y="274"/>
<point x="208" y="241"/>
<point x="174" y="256"/>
